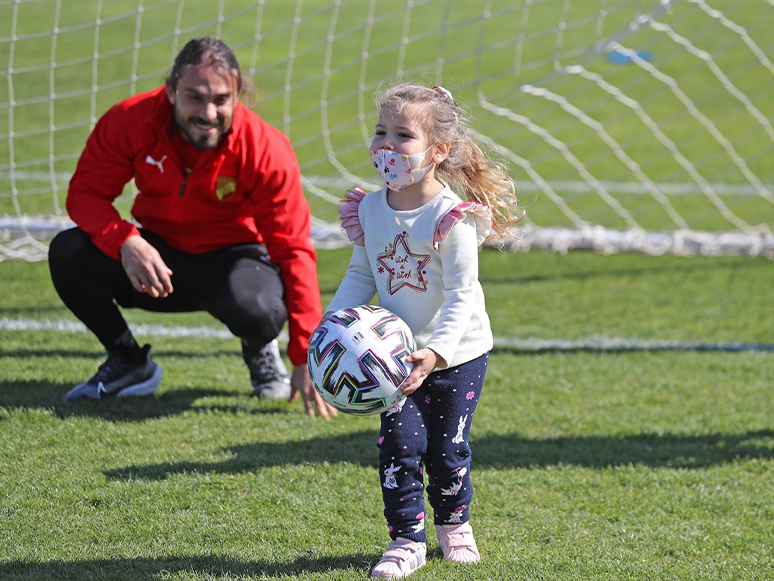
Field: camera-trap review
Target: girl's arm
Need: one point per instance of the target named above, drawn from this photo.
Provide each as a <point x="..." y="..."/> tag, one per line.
<point x="459" y="256"/>
<point x="358" y="286"/>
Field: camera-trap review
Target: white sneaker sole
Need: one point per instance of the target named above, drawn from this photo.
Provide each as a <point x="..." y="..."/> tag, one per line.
<point x="146" y="387"/>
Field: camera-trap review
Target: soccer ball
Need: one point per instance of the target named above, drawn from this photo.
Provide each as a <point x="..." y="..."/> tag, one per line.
<point x="357" y="359"/>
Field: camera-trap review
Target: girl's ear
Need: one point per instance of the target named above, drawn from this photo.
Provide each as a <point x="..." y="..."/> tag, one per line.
<point x="441" y="151"/>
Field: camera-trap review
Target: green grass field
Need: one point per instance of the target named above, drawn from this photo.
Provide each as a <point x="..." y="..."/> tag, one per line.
<point x="632" y="463"/>
<point x="626" y="431"/>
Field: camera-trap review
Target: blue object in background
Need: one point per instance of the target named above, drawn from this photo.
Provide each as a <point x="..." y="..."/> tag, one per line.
<point x="618" y="57"/>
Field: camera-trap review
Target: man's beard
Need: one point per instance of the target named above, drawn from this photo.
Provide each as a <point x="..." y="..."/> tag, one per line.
<point x="202" y="142"/>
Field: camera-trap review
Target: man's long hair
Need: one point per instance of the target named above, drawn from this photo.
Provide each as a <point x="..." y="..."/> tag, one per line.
<point x="205" y="50"/>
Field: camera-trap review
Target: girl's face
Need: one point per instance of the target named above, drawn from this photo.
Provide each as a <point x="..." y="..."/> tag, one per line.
<point x="401" y="132"/>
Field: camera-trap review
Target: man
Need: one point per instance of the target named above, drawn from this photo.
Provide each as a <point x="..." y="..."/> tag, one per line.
<point x="224" y="228"/>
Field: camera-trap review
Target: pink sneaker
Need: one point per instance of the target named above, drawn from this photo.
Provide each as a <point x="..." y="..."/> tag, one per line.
<point x="457" y="543"/>
<point x="401" y="559"/>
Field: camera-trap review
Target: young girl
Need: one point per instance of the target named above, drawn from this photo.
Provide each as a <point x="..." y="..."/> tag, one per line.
<point x="416" y="245"/>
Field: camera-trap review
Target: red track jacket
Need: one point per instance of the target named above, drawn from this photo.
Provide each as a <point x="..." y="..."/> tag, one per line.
<point x="248" y="189"/>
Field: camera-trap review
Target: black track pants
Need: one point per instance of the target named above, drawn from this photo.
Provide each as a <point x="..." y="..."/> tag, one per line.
<point x="238" y="285"/>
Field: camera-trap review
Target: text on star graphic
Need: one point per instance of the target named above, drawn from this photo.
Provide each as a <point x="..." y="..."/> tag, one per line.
<point x="405" y="268"/>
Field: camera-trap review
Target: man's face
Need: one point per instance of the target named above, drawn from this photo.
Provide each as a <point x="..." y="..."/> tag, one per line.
<point x="204" y="101"/>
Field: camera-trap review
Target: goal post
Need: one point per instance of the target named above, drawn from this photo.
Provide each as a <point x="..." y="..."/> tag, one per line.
<point x="640" y="125"/>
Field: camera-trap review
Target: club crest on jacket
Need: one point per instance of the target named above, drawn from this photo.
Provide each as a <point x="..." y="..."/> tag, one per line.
<point x="224" y="187"/>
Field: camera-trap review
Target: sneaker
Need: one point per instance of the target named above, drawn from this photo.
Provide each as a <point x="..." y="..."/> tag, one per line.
<point x="268" y="374"/>
<point x="401" y="559"/>
<point x="457" y="543"/>
<point x="116" y="377"/>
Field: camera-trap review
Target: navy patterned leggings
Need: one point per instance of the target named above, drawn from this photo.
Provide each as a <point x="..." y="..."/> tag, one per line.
<point x="430" y="432"/>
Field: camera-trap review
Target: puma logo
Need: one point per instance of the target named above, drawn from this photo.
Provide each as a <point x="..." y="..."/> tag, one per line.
<point x="158" y="164"/>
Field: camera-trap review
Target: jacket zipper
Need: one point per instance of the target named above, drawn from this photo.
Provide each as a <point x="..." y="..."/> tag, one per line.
<point x="182" y="189"/>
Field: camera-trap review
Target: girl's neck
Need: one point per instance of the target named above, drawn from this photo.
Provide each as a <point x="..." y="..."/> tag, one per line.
<point x="416" y="195"/>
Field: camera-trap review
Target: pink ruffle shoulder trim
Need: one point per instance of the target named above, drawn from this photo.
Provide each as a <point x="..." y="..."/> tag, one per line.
<point x="350" y="222"/>
<point x="481" y="213"/>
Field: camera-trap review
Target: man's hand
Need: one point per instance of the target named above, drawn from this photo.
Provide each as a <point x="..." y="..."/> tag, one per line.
<point x="301" y="382"/>
<point x="145" y="268"/>
<point x="424" y="360"/>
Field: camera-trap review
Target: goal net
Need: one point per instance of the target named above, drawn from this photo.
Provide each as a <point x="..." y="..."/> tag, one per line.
<point x="628" y="125"/>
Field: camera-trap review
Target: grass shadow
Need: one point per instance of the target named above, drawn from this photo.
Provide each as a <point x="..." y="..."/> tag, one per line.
<point x="211" y="567"/>
<point x="662" y="450"/>
<point x="357" y="447"/>
<point x="48" y="396"/>
<point x="679" y="451"/>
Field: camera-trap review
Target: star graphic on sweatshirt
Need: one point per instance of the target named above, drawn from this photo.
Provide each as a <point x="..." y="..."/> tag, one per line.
<point x="404" y="267"/>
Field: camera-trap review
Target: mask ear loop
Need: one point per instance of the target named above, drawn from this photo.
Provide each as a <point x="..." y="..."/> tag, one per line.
<point x="429" y="165"/>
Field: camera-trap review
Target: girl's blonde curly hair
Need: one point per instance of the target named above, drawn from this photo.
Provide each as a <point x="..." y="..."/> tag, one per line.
<point x="468" y="168"/>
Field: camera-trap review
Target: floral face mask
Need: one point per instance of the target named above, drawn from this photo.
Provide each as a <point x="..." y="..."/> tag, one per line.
<point x="397" y="170"/>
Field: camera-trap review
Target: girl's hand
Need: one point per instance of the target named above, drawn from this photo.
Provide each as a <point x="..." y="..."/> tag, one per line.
<point x="424" y="360"/>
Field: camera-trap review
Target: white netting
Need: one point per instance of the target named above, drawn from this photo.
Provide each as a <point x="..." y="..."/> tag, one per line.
<point x="629" y="125"/>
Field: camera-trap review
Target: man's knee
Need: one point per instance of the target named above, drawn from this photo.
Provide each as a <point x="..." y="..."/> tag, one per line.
<point x="257" y="320"/>
<point x="251" y="301"/>
<point x="67" y="249"/>
<point x="257" y="330"/>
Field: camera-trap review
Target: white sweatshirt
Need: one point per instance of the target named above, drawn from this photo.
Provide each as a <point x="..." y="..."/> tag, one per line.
<point x="423" y="264"/>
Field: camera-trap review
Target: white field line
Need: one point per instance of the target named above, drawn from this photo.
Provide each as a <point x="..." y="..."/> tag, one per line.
<point x="598" y="343"/>
<point x="26" y="324"/>
<point x="593" y="343"/>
